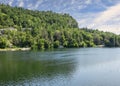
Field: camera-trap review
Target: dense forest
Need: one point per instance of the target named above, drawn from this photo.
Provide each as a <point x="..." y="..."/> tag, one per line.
<point x="21" y="27"/>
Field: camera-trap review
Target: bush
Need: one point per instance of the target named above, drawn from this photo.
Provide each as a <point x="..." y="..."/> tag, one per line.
<point x="56" y="44"/>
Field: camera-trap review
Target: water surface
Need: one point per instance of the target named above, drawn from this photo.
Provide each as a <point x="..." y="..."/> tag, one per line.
<point x="64" y="67"/>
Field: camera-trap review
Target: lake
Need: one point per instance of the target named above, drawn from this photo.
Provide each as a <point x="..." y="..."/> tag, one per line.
<point x="61" y="67"/>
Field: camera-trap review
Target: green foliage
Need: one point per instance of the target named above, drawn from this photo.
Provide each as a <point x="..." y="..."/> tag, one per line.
<point x="45" y="30"/>
<point x="40" y="44"/>
<point x="24" y="18"/>
<point x="56" y="44"/>
<point x="3" y="42"/>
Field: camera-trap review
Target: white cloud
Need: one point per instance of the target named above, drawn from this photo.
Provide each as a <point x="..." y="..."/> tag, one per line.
<point x="73" y="1"/>
<point x="88" y="1"/>
<point x="109" y="14"/>
<point x="110" y="28"/>
<point x="21" y="4"/>
<point x="10" y="2"/>
<point x="30" y="6"/>
<point x="107" y="20"/>
<point x="38" y="3"/>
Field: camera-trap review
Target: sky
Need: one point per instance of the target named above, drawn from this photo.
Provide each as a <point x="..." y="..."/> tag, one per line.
<point x="95" y="14"/>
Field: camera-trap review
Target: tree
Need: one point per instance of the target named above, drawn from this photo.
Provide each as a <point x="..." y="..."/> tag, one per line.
<point x="40" y="44"/>
<point x="56" y="44"/>
<point x="3" y="42"/>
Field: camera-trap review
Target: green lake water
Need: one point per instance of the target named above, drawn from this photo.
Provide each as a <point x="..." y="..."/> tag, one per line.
<point x="61" y="67"/>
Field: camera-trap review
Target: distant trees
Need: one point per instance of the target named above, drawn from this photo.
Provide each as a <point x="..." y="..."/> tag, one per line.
<point x="46" y="30"/>
<point x="24" y="18"/>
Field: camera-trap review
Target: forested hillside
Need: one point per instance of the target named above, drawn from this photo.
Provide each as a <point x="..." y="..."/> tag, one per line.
<point x="21" y="27"/>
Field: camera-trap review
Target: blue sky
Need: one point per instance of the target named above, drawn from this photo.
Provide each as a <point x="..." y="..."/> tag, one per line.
<point x="96" y="14"/>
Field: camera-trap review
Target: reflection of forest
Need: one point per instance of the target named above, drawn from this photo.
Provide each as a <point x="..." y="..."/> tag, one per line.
<point x="13" y="68"/>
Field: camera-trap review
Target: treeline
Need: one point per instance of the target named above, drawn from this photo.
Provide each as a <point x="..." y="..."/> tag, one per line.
<point x="23" y="18"/>
<point x="45" y="30"/>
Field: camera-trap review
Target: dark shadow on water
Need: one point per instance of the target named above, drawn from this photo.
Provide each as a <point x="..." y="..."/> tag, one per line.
<point x="19" y="66"/>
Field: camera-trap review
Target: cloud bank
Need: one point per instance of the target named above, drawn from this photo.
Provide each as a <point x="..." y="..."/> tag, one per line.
<point x="107" y="20"/>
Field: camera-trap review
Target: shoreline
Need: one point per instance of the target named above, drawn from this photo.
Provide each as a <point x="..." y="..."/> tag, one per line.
<point x="15" y="49"/>
<point x="29" y="48"/>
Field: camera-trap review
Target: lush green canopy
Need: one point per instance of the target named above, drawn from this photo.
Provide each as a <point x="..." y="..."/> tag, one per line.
<point x="44" y="30"/>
